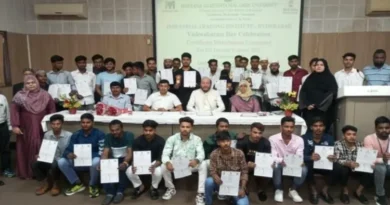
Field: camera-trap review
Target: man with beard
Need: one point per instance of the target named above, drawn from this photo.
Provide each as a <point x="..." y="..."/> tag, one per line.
<point x="227" y="66"/>
<point x="380" y="141"/>
<point x="379" y="73"/>
<point x="151" y="67"/>
<point x="273" y="78"/>
<point x="243" y="63"/>
<point x="295" y="72"/>
<point x="349" y="76"/>
<point x="205" y="99"/>
<point x="167" y="66"/>
<point x="176" y="64"/>
<point x="214" y="73"/>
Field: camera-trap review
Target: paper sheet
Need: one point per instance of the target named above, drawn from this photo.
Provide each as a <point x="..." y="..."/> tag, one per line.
<point x="140" y="97"/>
<point x="119" y="152"/>
<point x="230" y="183"/>
<point x="106" y="88"/>
<point x="237" y="74"/>
<point x="221" y="86"/>
<point x="324" y="152"/>
<point x="264" y="163"/>
<point x="272" y="90"/>
<point x="47" y="151"/>
<point x="84" y="89"/>
<point x="109" y="171"/>
<point x="131" y="84"/>
<point x="167" y="74"/>
<point x="256" y="80"/>
<point x="285" y="84"/>
<point x="181" y="167"/>
<point x="142" y="161"/>
<point x="83" y="154"/>
<point x="189" y="79"/>
<point x="365" y="158"/>
<point x="90" y="67"/>
<point x="58" y="90"/>
<point x="233" y="143"/>
<point x="293" y="166"/>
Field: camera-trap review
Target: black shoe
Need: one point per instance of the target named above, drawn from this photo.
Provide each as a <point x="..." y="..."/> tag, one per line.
<point x="137" y="192"/>
<point x="1" y="183"/>
<point x="313" y="198"/>
<point x="344" y="198"/>
<point x="362" y="199"/>
<point x="118" y="198"/>
<point x="154" y="195"/>
<point x="381" y="200"/>
<point x="327" y="198"/>
<point x="107" y="200"/>
<point x="262" y="196"/>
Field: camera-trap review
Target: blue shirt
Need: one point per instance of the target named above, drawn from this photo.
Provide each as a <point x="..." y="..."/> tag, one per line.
<point x="108" y="77"/>
<point x="122" y="101"/>
<point x="377" y="76"/>
<point x="326" y="140"/>
<point x="95" y="138"/>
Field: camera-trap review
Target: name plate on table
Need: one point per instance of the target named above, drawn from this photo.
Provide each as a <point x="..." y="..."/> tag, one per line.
<point x="363" y="91"/>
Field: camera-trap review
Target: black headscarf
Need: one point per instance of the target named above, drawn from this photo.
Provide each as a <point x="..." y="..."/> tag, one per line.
<point x="318" y="86"/>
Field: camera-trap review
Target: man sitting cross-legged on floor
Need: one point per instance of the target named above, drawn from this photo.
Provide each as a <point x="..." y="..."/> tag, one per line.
<point x="87" y="135"/>
<point x="117" y="145"/>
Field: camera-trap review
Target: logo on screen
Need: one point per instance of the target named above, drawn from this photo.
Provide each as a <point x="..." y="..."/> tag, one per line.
<point x="292" y="7"/>
<point x="170" y="5"/>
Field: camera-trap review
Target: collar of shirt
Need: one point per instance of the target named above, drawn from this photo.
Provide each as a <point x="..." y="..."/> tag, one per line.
<point x="293" y="138"/>
<point x="178" y="135"/>
<point x="62" y="134"/>
<point x="221" y="155"/>
<point x="385" y="66"/>
<point x="53" y="72"/>
<point x="258" y="71"/>
<point x="166" y="94"/>
<point x="119" y="97"/>
<point x="92" y="133"/>
<point x="353" y="70"/>
<point x="297" y="71"/>
<point x="85" y="73"/>
<point x="324" y="138"/>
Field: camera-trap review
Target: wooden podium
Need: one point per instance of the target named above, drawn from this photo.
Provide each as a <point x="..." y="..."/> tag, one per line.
<point x="360" y="106"/>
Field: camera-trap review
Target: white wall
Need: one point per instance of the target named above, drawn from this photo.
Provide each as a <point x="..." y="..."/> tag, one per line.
<point x="12" y="16"/>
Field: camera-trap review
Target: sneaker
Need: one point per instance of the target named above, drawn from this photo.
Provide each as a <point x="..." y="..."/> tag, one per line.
<point x="118" y="198"/>
<point x="169" y="194"/>
<point x="108" y="199"/>
<point x="154" y="195"/>
<point x="8" y="173"/>
<point x="262" y="196"/>
<point x="93" y="192"/>
<point x="278" y="195"/>
<point x="381" y="200"/>
<point x="199" y="199"/>
<point x="222" y="197"/>
<point x="75" y="189"/>
<point x="293" y="194"/>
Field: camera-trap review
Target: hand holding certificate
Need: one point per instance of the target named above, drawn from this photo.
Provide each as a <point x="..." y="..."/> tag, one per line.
<point x="167" y="74"/>
<point x="140" y="96"/>
<point x="189" y="79"/>
<point x="324" y="162"/>
<point x="293" y="166"/>
<point x="83" y="154"/>
<point x="230" y="183"/>
<point x="131" y="84"/>
<point x="365" y="158"/>
<point x="181" y="167"/>
<point x="47" y="151"/>
<point x="142" y="162"/>
<point x="109" y="172"/>
<point x="264" y="162"/>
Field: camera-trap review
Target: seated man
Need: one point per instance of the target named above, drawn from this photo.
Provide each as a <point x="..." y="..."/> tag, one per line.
<point x="116" y="98"/>
<point x="252" y="143"/>
<point x="117" y="145"/>
<point x="185" y="145"/>
<point x="49" y="174"/>
<point x="226" y="158"/>
<point x="163" y="100"/>
<point x="317" y="137"/>
<point x="87" y="135"/>
<point x="282" y="144"/>
<point x="205" y="99"/>
<point x="346" y="153"/>
<point x="380" y="141"/>
<point x="152" y="142"/>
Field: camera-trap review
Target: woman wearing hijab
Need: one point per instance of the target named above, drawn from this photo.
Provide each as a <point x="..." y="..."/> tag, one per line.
<point x="28" y="108"/>
<point x="318" y="94"/>
<point x="244" y="100"/>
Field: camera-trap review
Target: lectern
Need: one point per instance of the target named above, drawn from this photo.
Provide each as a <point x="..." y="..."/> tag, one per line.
<point x="359" y="106"/>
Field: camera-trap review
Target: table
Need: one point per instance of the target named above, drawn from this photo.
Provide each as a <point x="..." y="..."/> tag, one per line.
<point x="169" y="121"/>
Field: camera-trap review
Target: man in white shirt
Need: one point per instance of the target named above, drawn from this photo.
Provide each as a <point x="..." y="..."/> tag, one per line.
<point x="349" y="76"/>
<point x="272" y="78"/>
<point x="214" y="74"/>
<point x="85" y="82"/>
<point x="205" y="99"/>
<point x="5" y="127"/>
<point x="163" y="100"/>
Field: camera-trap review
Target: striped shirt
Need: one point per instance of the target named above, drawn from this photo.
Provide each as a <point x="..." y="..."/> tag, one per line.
<point x="377" y="76"/>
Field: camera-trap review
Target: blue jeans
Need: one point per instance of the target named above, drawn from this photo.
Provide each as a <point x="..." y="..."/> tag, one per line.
<point x="67" y="168"/>
<point x="114" y="188"/>
<point x="277" y="178"/>
<point x="381" y="171"/>
<point x="210" y="186"/>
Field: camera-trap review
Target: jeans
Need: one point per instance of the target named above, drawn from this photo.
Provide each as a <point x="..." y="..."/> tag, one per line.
<point x="43" y="170"/>
<point x="210" y="186"/>
<point x="380" y="173"/>
<point x="114" y="188"/>
<point x="342" y="174"/>
<point x="5" y="152"/>
<point x="328" y="174"/>
<point x="67" y="168"/>
<point x="136" y="181"/>
<point x="277" y="178"/>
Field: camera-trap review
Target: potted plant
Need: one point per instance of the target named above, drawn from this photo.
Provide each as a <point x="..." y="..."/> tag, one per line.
<point x="287" y="102"/>
<point x="71" y="103"/>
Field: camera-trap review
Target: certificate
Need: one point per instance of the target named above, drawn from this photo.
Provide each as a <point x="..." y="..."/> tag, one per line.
<point x="237" y="74"/>
<point x="365" y="158"/>
<point x="83" y="154"/>
<point x="167" y="74"/>
<point x="233" y="143"/>
<point x="256" y="80"/>
<point x="84" y="89"/>
<point x="131" y="84"/>
<point x="47" y="151"/>
<point x="58" y="90"/>
<point x="89" y="68"/>
<point x="181" y="167"/>
<point x="293" y="166"/>
<point x="221" y="86"/>
<point x="324" y="152"/>
<point x="285" y="84"/>
<point x="272" y="90"/>
<point x="119" y="152"/>
<point x="264" y="162"/>
<point x="109" y="171"/>
<point x="142" y="161"/>
<point x="230" y="183"/>
<point x="140" y="97"/>
<point x="189" y="79"/>
<point x="106" y="88"/>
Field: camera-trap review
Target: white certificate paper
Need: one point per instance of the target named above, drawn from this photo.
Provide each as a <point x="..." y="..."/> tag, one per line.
<point x="167" y="74"/>
<point x="264" y="163"/>
<point x="237" y="74"/>
<point x="47" y="151"/>
<point x="131" y="84"/>
<point x="142" y="161"/>
<point x="256" y="80"/>
<point x="233" y="144"/>
<point x="285" y="84"/>
<point x="140" y="96"/>
<point x="272" y="90"/>
<point x="189" y="79"/>
<point x="230" y="183"/>
<point x="89" y="68"/>
<point x="84" y="89"/>
<point x="293" y="166"/>
<point x="109" y="172"/>
<point x="365" y="158"/>
<point x="181" y="167"/>
<point x="324" y="152"/>
<point x="58" y="90"/>
<point x="221" y="86"/>
<point x="106" y="88"/>
<point x="83" y="154"/>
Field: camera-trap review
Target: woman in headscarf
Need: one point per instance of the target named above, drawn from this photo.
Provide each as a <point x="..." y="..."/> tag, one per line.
<point x="28" y="108"/>
<point x="318" y="94"/>
<point x="244" y="100"/>
<point x="225" y="75"/>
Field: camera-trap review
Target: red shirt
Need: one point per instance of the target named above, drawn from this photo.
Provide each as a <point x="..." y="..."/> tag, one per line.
<point x="297" y="77"/>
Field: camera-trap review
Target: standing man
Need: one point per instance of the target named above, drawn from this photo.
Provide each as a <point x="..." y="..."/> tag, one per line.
<point x="5" y="128"/>
<point x="227" y="66"/>
<point x="98" y="64"/>
<point x="237" y="61"/>
<point x="185" y="145"/>
<point x="295" y="72"/>
<point x="184" y="93"/>
<point x="205" y="99"/>
<point x="379" y="73"/>
<point x="167" y="66"/>
<point x="42" y="79"/>
<point x="349" y="76"/>
<point x="214" y="73"/>
<point x="243" y="63"/>
<point x="272" y="104"/>
<point x="264" y="66"/>
<point x="152" y="67"/>
<point x="104" y="79"/>
<point x="176" y="64"/>
<point x="255" y="60"/>
<point x="144" y="82"/>
<point x="117" y="145"/>
<point x="82" y="77"/>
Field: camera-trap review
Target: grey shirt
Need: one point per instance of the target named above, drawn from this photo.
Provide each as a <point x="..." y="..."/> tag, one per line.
<point x="60" y="77"/>
<point x="63" y="141"/>
<point x="147" y="83"/>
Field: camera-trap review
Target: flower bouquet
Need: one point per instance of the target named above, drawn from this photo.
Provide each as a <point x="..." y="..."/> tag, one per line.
<point x="287" y="102"/>
<point x="71" y="103"/>
<point x="100" y="108"/>
<point x="103" y="109"/>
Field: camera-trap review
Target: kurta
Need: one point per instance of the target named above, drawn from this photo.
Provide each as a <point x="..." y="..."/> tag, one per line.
<point x="28" y="144"/>
<point x="240" y="105"/>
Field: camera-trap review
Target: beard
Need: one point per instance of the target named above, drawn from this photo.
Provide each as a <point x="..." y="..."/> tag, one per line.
<point x="379" y="65"/>
<point x="274" y="72"/>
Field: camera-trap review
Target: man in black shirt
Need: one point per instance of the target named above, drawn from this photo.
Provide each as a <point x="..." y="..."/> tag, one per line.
<point x="149" y="141"/>
<point x="250" y="144"/>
